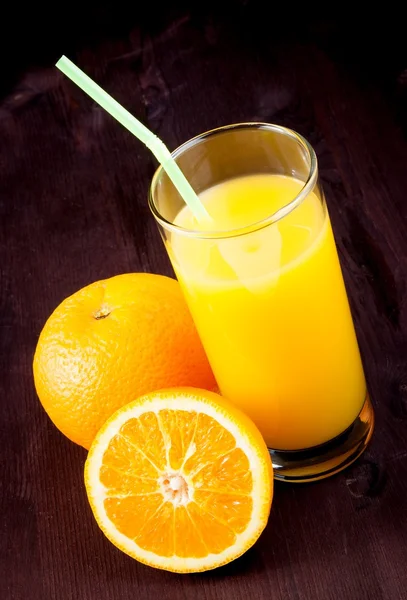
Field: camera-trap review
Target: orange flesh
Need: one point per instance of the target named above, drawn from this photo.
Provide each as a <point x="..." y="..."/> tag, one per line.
<point x="193" y="453"/>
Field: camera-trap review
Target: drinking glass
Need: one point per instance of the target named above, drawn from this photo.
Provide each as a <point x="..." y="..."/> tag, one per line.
<point x="263" y="282"/>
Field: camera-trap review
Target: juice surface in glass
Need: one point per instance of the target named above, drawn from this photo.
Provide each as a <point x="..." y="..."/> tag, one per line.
<point x="271" y="310"/>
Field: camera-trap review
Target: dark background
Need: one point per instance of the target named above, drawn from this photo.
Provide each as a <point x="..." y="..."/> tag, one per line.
<point x="73" y="187"/>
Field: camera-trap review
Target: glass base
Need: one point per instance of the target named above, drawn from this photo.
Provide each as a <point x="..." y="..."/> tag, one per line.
<point x="311" y="464"/>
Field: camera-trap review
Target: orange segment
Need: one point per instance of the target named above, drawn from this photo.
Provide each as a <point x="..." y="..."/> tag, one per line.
<point x="179" y="429"/>
<point x="125" y="458"/>
<point x="144" y="435"/>
<point x="122" y="483"/>
<point x="211" y="442"/>
<point x="228" y="473"/>
<point x="157" y="533"/>
<point x="180" y="480"/>
<point x="216" y="536"/>
<point x="188" y="539"/>
<point x="227" y="508"/>
<point x="121" y="511"/>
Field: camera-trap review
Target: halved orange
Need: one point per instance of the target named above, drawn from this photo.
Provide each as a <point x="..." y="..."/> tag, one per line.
<point x="180" y="480"/>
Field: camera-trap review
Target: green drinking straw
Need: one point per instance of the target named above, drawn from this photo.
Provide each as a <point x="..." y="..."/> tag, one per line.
<point x="157" y="147"/>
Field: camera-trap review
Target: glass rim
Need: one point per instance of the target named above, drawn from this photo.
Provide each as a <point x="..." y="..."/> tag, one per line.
<point x="276" y="216"/>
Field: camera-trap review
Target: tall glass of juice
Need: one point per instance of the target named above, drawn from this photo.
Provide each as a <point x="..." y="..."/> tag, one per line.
<point x="264" y="285"/>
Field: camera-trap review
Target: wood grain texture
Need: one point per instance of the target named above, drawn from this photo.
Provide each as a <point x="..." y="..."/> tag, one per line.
<point x="73" y="209"/>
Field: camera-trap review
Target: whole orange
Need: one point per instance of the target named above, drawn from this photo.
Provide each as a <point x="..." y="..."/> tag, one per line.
<point x="110" y="343"/>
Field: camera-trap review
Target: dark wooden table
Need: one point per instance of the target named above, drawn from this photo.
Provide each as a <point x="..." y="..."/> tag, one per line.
<point x="73" y="210"/>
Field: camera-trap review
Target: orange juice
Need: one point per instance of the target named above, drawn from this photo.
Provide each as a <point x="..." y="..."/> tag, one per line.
<point x="271" y="310"/>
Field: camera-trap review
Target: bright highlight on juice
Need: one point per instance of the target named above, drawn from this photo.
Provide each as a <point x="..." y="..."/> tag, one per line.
<point x="271" y="310"/>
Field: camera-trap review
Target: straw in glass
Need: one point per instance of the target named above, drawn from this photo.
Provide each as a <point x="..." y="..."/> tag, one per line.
<point x="157" y="147"/>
